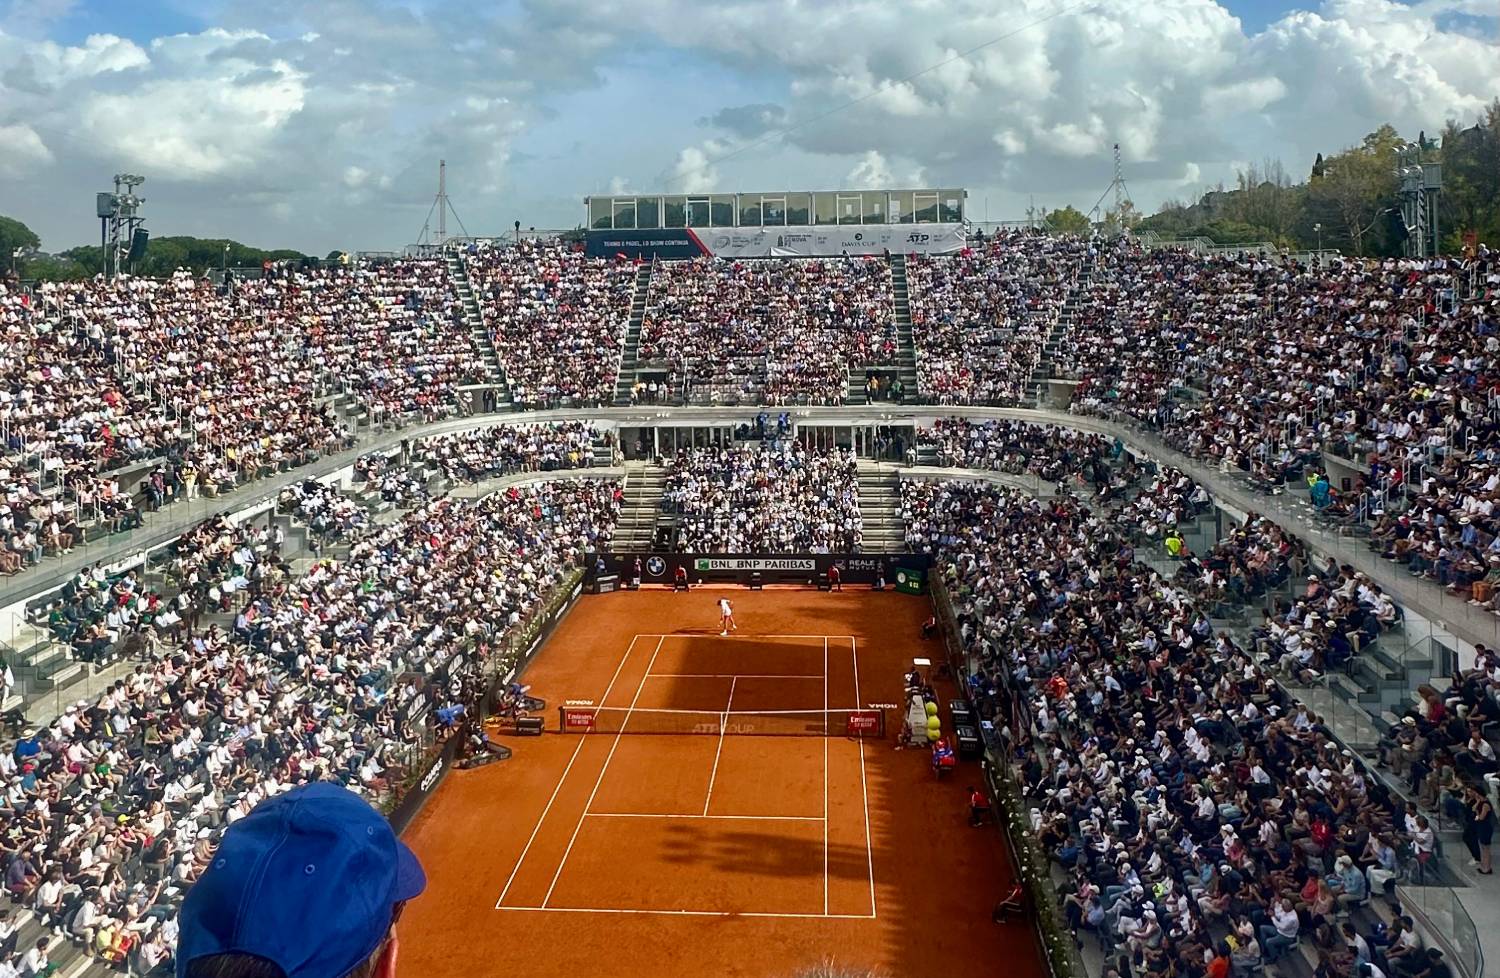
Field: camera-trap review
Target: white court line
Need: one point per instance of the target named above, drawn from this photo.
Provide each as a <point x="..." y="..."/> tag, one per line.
<point x="699" y="818"/>
<point x="799" y="636"/>
<point x="826" y="738"/>
<point x="863" y="787"/>
<point x="694" y="913"/>
<point x="723" y="724"/>
<point x="731" y="675"/>
<point x="600" y="779"/>
<point x="538" y="827"/>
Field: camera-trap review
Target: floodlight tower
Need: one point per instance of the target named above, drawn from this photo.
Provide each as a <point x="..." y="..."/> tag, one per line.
<point x="119" y="219"/>
<point x="1117" y="186"/>
<point x="1420" y="185"/>
<point x="442" y="206"/>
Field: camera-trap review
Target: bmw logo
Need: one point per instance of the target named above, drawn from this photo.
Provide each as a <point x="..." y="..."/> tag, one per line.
<point x="656" y="567"/>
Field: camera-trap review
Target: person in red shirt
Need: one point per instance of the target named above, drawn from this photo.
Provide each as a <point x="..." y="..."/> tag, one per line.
<point x="979" y="806"/>
<point x="834" y="582"/>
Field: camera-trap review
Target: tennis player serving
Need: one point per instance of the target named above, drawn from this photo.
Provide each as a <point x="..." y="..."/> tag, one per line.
<point x="726" y="618"/>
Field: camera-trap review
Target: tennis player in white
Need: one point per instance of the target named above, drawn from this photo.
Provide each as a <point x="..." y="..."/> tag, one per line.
<point x="726" y="618"/>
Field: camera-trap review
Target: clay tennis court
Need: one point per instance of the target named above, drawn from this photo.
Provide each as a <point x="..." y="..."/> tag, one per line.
<point x="697" y="821"/>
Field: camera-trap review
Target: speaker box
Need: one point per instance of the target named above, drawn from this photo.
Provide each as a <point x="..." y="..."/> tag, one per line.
<point x="138" y="243"/>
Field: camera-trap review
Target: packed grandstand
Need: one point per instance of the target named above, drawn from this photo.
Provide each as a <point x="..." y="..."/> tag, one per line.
<point x="1149" y="666"/>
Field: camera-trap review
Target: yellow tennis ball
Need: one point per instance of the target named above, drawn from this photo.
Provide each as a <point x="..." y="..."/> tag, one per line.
<point x="932" y="709"/>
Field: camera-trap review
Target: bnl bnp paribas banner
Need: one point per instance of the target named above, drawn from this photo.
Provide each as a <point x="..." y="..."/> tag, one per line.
<point x="786" y="242"/>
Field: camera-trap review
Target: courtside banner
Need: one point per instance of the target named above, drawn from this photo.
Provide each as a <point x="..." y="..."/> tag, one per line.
<point x="661" y="568"/>
<point x="806" y="564"/>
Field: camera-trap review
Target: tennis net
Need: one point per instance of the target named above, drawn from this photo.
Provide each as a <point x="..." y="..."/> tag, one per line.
<point x="764" y="723"/>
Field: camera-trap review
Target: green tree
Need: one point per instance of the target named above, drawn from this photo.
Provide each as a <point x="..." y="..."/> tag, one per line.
<point x="1068" y="220"/>
<point x="1357" y="187"/>
<point x="15" y="236"/>
<point x="1470" y="200"/>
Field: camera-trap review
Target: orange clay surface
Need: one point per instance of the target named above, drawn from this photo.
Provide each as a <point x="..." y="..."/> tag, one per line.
<point x="596" y="855"/>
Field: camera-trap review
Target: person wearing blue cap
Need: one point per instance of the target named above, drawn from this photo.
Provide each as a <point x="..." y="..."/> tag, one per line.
<point x="308" y="885"/>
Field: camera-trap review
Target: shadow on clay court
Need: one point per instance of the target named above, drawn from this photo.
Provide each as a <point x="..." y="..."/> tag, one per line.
<point x="766" y="854"/>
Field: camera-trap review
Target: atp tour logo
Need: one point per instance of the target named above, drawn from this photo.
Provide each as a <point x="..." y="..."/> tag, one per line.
<point x="655" y="566"/>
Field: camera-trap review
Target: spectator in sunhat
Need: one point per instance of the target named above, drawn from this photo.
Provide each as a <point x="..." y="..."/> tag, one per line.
<point x="308" y="885"/>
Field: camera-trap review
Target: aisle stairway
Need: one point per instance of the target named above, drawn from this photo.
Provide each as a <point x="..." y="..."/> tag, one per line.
<point x="630" y="349"/>
<point x="880" y="508"/>
<point x="641" y="508"/>
<point x="1036" y="388"/>
<point x="906" y="351"/>
<point x="474" y="319"/>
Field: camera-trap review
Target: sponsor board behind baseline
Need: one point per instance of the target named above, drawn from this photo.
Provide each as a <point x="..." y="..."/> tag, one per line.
<point x="617" y="569"/>
<point x="755" y="563"/>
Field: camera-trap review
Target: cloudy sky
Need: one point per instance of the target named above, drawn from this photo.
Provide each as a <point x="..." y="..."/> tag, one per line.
<point x="319" y="123"/>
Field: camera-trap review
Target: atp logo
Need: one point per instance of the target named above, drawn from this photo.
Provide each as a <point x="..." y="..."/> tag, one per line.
<point x="655" y="566"/>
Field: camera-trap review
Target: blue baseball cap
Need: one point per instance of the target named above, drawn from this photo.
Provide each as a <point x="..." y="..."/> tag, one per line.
<point x="309" y="880"/>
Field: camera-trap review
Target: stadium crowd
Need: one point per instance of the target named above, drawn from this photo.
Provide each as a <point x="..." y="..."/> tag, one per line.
<point x="393" y="329"/>
<point x="486" y="453"/>
<point x="99" y="379"/>
<point x="981" y="319"/>
<point x="557" y="319"/>
<point x="1049" y="452"/>
<point x="750" y="500"/>
<point x="771" y="332"/>
<point x="1258" y="362"/>
<point x="253" y="679"/>
<point x="1197" y="812"/>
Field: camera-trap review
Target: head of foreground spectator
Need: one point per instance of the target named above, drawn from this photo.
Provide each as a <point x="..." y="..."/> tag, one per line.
<point x="308" y="885"/>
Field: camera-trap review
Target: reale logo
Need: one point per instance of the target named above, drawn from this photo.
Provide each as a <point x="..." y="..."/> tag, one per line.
<point x="655" y="566"/>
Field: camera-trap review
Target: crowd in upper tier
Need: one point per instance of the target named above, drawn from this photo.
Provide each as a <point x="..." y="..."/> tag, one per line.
<point x="557" y="319"/>
<point x="769" y="332"/>
<point x="981" y="319"/>
<point x="1258" y="361"/>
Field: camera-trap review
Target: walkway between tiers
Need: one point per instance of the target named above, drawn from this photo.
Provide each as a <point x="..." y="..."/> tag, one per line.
<point x="1425" y="598"/>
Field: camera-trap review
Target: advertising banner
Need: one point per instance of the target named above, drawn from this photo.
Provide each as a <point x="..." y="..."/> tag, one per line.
<point x="661" y="568"/>
<point x="806" y="564"/>
<point x="833" y="240"/>
<point x="666" y="243"/>
<point x="801" y="241"/>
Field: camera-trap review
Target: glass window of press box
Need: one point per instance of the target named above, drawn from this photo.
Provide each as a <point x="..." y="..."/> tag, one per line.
<point x="778" y="209"/>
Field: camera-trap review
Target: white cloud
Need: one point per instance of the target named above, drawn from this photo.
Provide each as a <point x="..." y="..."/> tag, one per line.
<point x="693" y="173"/>
<point x="317" y="110"/>
<point x="199" y="128"/>
<point x="24" y="151"/>
<point x="871" y="171"/>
